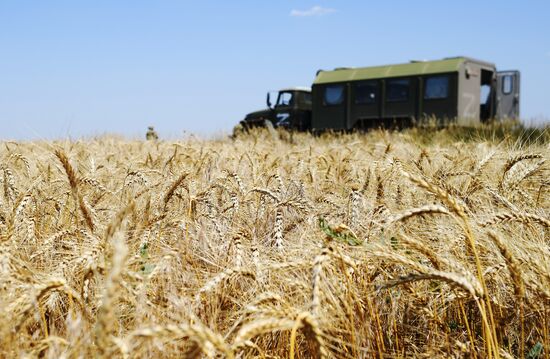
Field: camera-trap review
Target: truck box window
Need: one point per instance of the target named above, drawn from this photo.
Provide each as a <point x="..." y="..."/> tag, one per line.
<point x="334" y="95"/>
<point x="437" y="87"/>
<point x="507" y="84"/>
<point x="366" y="92"/>
<point x="397" y="90"/>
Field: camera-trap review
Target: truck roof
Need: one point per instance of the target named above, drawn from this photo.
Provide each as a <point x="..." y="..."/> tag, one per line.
<point x="297" y="88"/>
<point x="408" y="69"/>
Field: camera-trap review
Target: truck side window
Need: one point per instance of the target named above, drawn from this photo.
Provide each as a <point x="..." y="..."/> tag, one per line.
<point x="437" y="87"/>
<point x="507" y="84"/>
<point x="285" y="99"/>
<point x="366" y="92"/>
<point x="334" y="95"/>
<point x="307" y="98"/>
<point x="397" y="90"/>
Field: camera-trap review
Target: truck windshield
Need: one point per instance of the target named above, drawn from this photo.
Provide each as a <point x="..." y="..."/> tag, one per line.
<point x="285" y="99"/>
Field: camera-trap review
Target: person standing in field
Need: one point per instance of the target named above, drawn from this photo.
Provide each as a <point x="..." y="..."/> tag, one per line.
<point x="151" y="134"/>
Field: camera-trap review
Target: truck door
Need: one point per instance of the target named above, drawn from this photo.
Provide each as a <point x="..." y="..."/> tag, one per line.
<point x="329" y="106"/>
<point x="283" y="109"/>
<point x="507" y="94"/>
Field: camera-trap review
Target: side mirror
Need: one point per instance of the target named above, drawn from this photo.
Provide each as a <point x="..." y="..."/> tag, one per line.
<point x="268" y="101"/>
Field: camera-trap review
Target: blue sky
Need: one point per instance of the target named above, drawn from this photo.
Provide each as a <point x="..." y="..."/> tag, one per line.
<point x="85" y="68"/>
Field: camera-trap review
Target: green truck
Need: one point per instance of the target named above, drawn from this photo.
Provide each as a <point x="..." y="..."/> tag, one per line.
<point x="459" y="89"/>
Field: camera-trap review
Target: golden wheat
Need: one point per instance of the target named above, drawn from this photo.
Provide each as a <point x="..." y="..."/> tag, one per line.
<point x="275" y="245"/>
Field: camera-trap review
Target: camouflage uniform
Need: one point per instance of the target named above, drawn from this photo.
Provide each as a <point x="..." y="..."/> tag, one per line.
<point x="151" y="134"/>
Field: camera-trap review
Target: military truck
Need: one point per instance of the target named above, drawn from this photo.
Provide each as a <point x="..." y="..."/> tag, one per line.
<point x="292" y="110"/>
<point x="459" y="89"/>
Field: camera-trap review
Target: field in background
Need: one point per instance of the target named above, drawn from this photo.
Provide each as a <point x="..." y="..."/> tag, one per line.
<point x="427" y="242"/>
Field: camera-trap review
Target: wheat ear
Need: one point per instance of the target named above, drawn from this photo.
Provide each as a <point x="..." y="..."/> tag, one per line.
<point x="516" y="217"/>
<point x="419" y="211"/>
<point x="202" y="335"/>
<point x="260" y="326"/>
<point x="451" y="278"/>
<point x="170" y="193"/>
<point x="73" y="181"/>
<point x="306" y="321"/>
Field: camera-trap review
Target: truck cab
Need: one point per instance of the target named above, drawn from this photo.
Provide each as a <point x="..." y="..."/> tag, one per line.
<point x="291" y="110"/>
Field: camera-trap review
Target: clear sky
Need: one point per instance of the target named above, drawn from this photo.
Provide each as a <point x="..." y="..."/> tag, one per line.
<point x="84" y="68"/>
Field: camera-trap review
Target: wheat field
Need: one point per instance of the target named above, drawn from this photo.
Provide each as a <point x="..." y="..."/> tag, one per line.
<point x="275" y="245"/>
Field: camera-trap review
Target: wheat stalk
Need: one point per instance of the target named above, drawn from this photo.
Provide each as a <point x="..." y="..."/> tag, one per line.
<point x="104" y="329"/>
